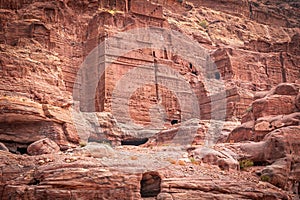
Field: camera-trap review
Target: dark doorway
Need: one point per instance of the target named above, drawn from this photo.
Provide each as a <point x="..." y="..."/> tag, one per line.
<point x="150" y="184"/>
<point x="22" y="150"/>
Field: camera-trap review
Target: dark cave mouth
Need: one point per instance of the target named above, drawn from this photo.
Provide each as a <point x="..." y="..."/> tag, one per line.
<point x="22" y="150"/>
<point x="174" y="121"/>
<point x="15" y="147"/>
<point x="134" y="142"/>
<point x="150" y="184"/>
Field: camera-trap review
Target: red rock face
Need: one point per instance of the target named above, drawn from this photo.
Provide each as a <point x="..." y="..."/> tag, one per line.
<point x="254" y="44"/>
<point x="275" y="129"/>
<point x="275" y="110"/>
<point x="245" y="66"/>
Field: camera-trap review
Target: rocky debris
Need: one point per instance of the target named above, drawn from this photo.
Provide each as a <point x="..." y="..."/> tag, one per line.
<point x="276" y="144"/>
<point x="164" y="196"/>
<point x="63" y="176"/>
<point x="228" y="127"/>
<point x="279" y="150"/>
<point x="70" y="132"/>
<point x="284" y="155"/>
<point x="43" y="146"/>
<point x="180" y="133"/>
<point x="275" y="131"/>
<point x="79" y="152"/>
<point x="275" y="109"/>
<point x="268" y="124"/>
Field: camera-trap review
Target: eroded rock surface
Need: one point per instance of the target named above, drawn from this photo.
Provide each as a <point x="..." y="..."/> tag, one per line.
<point x="69" y="176"/>
<point x="276" y="134"/>
<point x="276" y="109"/>
<point x="255" y="46"/>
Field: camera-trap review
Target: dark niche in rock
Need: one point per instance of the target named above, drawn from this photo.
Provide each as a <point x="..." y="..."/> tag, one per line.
<point x="174" y="121"/>
<point x="150" y="184"/>
<point x="134" y="142"/>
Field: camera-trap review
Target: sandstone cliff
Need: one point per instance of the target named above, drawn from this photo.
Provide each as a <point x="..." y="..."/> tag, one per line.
<point x="254" y="45"/>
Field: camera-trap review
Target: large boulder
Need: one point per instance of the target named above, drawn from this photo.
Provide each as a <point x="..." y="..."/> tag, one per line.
<point x="223" y="158"/>
<point x="24" y="121"/>
<point x="286" y="89"/>
<point x="242" y="133"/>
<point x="281" y="143"/>
<point x="278" y="101"/>
<point x="278" y="173"/>
<point x="43" y="146"/>
<point x="269" y="111"/>
<point x="273" y="105"/>
<point x="268" y="124"/>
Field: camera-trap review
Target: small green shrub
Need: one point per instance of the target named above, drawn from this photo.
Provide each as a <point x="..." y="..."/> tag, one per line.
<point x="192" y="160"/>
<point x="265" y="178"/>
<point x="82" y="143"/>
<point x="203" y="24"/>
<point x="180" y="1"/>
<point x="246" y="163"/>
<point x="249" y="109"/>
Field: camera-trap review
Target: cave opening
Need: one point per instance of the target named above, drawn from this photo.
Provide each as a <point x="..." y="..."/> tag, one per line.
<point x="134" y="142"/>
<point x="150" y="184"/>
<point x="260" y="163"/>
<point x="22" y="150"/>
<point x="174" y="121"/>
